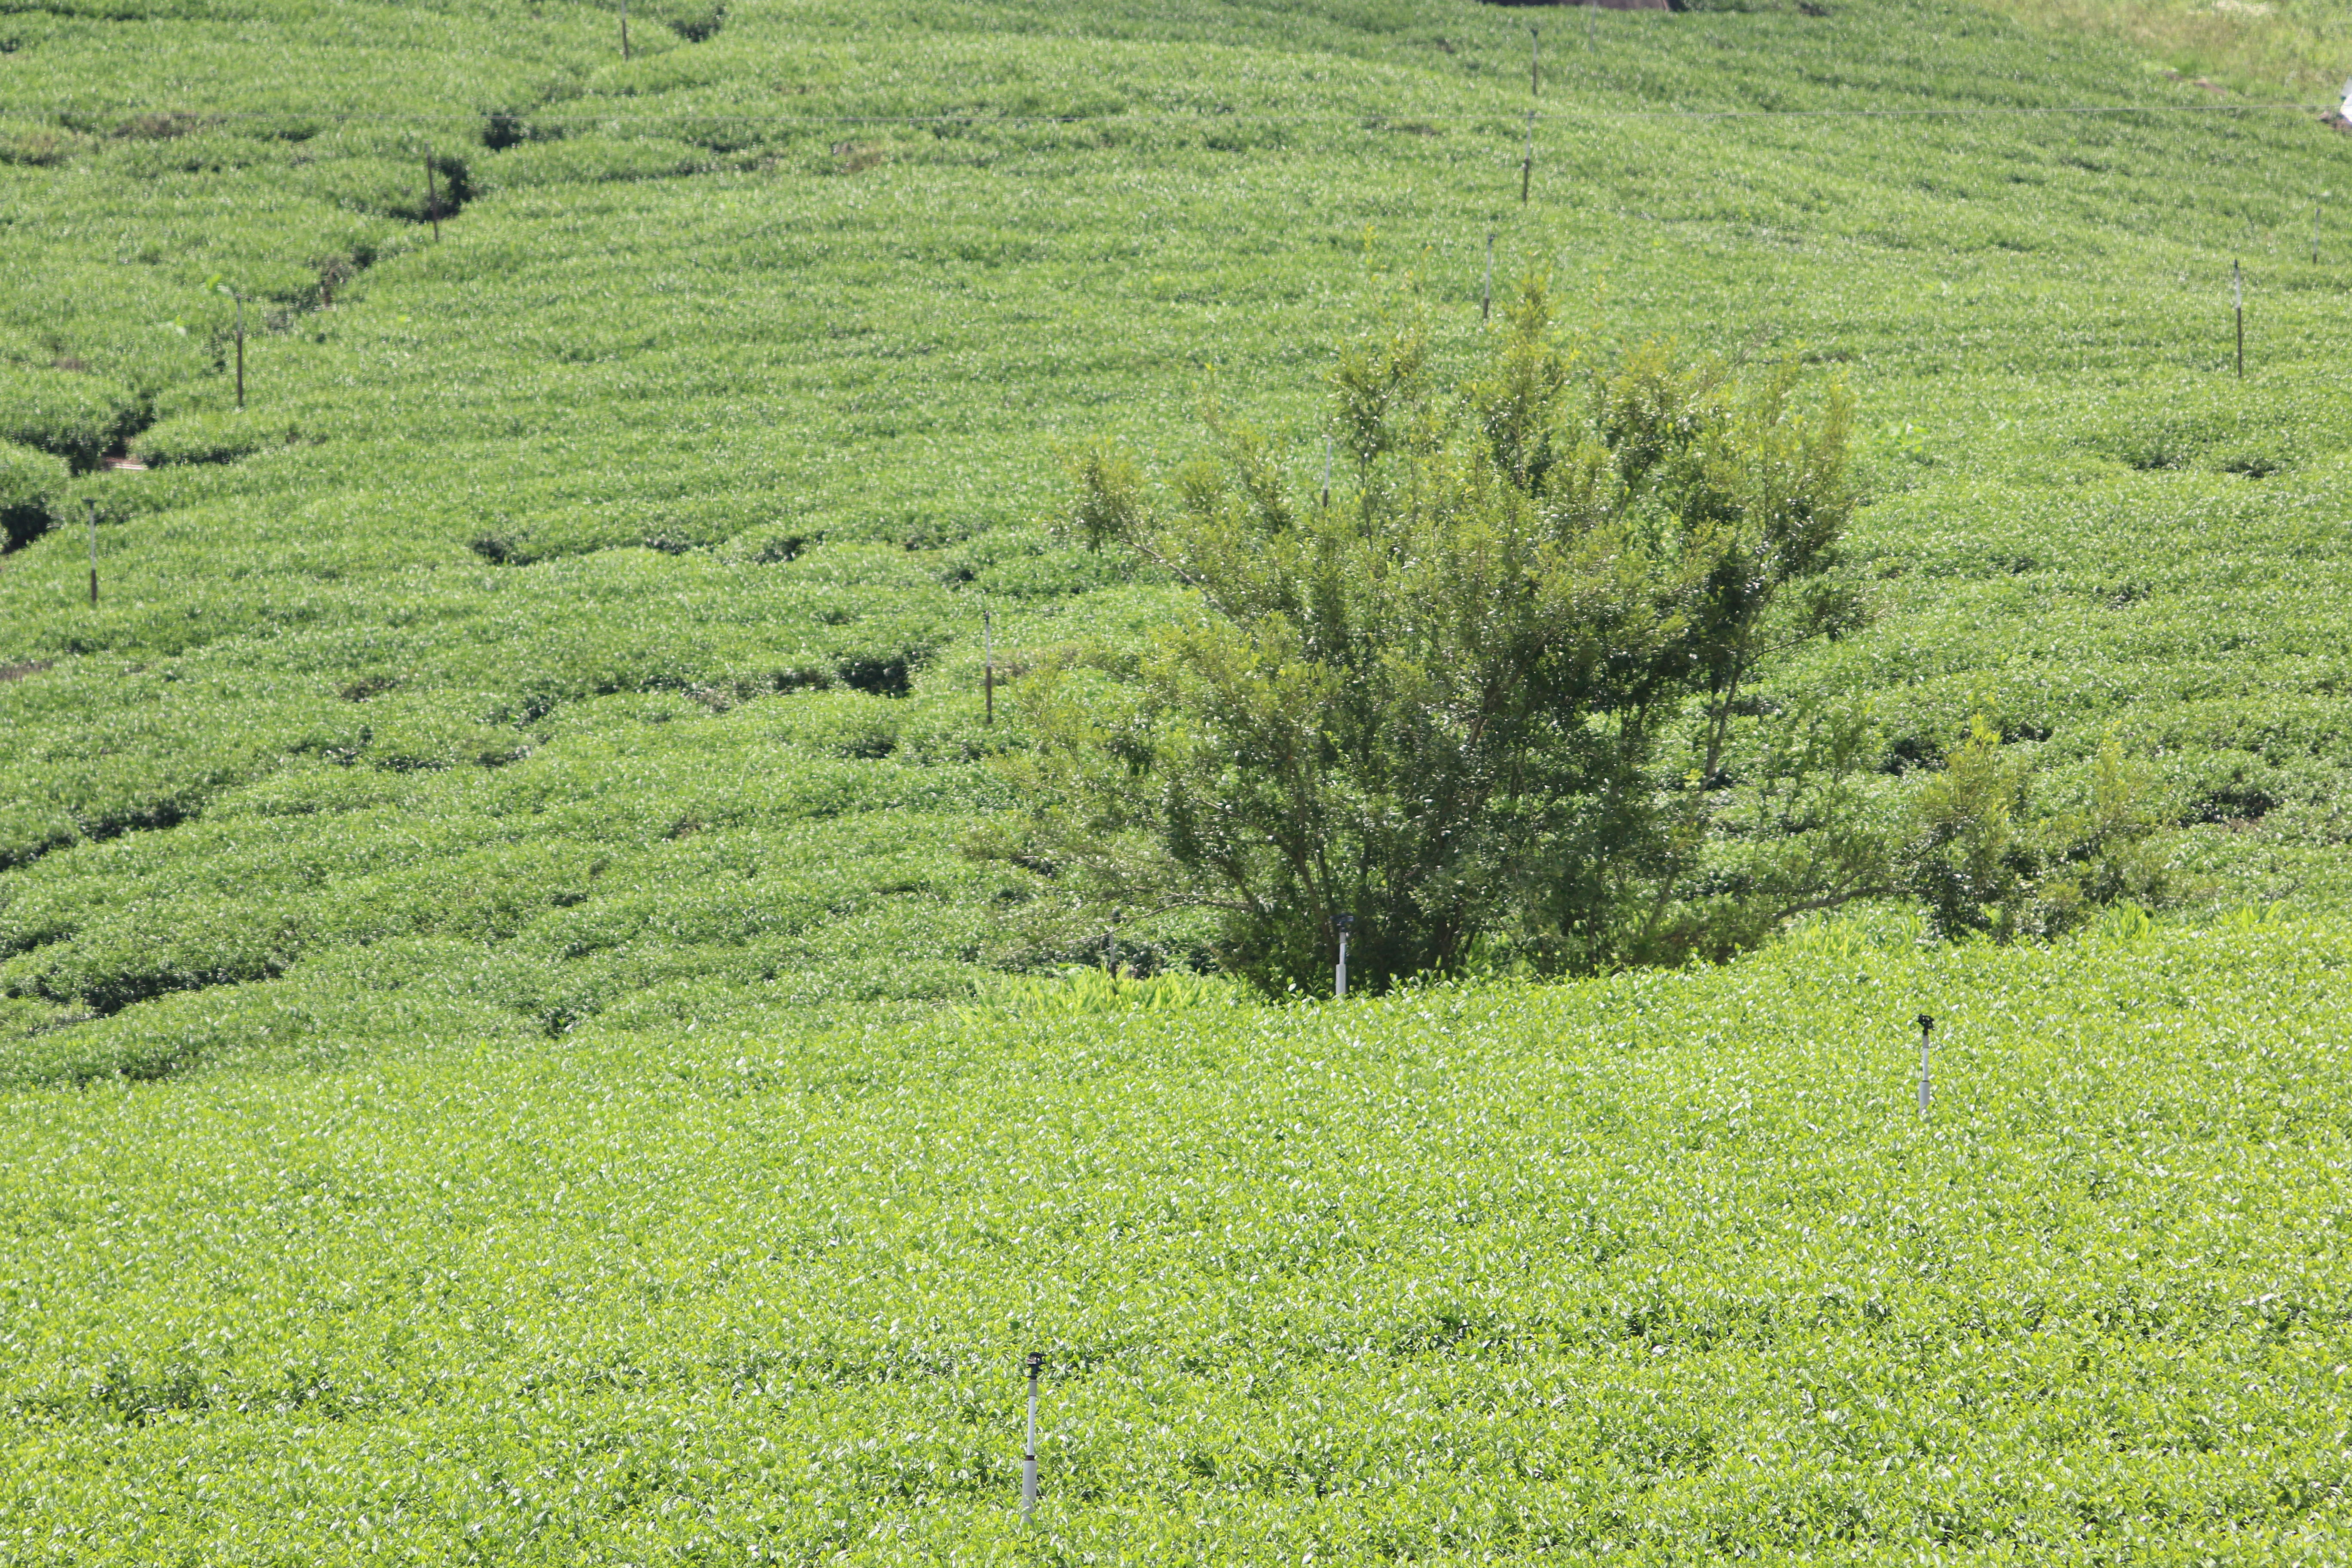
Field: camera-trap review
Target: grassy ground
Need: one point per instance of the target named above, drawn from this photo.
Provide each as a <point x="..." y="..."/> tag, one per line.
<point x="2267" y="50"/>
<point x="522" y="754"/>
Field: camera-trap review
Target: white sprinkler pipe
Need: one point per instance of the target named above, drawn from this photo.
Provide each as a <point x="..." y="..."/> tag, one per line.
<point x="1029" y="1451"/>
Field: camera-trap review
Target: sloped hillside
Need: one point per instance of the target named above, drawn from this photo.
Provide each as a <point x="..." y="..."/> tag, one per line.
<point x="579" y="621"/>
<point x="503" y="1060"/>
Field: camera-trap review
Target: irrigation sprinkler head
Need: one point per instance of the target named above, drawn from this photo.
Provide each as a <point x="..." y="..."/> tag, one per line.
<point x="1926" y="1025"/>
<point x="1036" y="1362"/>
<point x="1345" y="922"/>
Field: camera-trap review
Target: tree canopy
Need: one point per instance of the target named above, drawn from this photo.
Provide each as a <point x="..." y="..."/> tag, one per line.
<point x="1495" y="692"/>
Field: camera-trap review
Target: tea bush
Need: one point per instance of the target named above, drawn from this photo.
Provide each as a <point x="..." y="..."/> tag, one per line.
<point x="72" y="415"/>
<point x="1589" y="1272"/>
<point x="32" y="493"/>
<point x="207" y="439"/>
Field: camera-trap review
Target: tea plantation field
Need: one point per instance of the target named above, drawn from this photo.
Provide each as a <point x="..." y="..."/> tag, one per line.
<point x="1662" y="1269"/>
<point x="503" y="1059"/>
<point x="581" y="618"/>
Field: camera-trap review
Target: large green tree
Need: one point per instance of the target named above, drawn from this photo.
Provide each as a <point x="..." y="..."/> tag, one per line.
<point x="1490" y="688"/>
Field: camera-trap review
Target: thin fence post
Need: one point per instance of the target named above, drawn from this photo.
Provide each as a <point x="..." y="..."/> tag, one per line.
<point x="240" y="352"/>
<point x="432" y="196"/>
<point x="1326" y="473"/>
<point x="988" y="662"/>
<point x="1486" y="294"/>
<point x="1528" y="168"/>
<point x="2237" y="309"/>
<point x="1535" y="62"/>
<point x="1927" y="1040"/>
<point x="93" y="552"/>
<point x="1029" y="1447"/>
<point x="624" y="30"/>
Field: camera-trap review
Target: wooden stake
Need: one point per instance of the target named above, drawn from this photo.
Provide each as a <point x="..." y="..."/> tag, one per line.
<point x="240" y="352"/>
<point x="93" y="554"/>
<point x="432" y="196"/>
<point x="624" y="30"/>
<point x="1486" y="294"/>
<point x="988" y="663"/>
<point x="2238" y="309"/>
<point x="1535" y="69"/>
<point x="1527" y="169"/>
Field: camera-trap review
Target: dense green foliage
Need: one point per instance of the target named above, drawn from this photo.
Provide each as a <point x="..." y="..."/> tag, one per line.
<point x="1983" y="861"/>
<point x="1642" y="1269"/>
<point x="723" y="386"/>
<point x="1492" y="687"/>
<point x="552" y="392"/>
<point x="477" y="894"/>
<point x="32" y="493"/>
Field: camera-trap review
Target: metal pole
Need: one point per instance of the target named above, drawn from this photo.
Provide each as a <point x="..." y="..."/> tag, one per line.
<point x="1527" y="169"/>
<point x="1029" y="1450"/>
<point x="432" y="196"/>
<point x="1340" y="972"/>
<point x="1535" y="69"/>
<point x="240" y="352"/>
<point x="624" y="30"/>
<point x="2238" y="309"/>
<point x="1926" y="1039"/>
<point x="988" y="662"/>
<point x="93" y="552"/>
<point x="1326" y="473"/>
<point x="1486" y="294"/>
